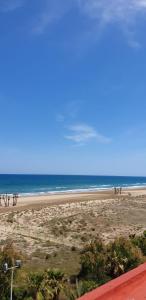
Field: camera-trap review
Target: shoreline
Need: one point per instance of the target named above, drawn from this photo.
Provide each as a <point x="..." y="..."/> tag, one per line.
<point x="81" y="192"/>
<point x="40" y="201"/>
<point x="76" y="191"/>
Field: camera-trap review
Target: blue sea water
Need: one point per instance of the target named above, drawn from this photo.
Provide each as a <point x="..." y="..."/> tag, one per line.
<point x="43" y="184"/>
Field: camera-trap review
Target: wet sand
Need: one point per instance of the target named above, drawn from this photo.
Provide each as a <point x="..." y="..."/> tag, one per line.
<point x="39" y="201"/>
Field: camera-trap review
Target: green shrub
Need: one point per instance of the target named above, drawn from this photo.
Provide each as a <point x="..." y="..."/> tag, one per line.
<point x="93" y="261"/>
<point x="81" y="288"/>
<point x="140" y="242"/>
<point x="19" y="293"/>
<point x="101" y="262"/>
<point x="87" y="286"/>
<point x="7" y="255"/>
<point x="45" y="286"/>
<point x="122" y="257"/>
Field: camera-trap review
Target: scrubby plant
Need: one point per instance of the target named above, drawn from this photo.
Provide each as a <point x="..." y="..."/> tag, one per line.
<point x="101" y="262"/>
<point x="7" y="255"/>
<point x="93" y="261"/>
<point x="140" y="242"/>
<point x="52" y="284"/>
<point x="87" y="286"/>
<point x="20" y="293"/>
<point x="35" y="281"/>
<point x="122" y="257"/>
<point x="81" y="288"/>
<point x="45" y="285"/>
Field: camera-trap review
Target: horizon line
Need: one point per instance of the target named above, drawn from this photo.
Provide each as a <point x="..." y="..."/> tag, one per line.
<point x="85" y="175"/>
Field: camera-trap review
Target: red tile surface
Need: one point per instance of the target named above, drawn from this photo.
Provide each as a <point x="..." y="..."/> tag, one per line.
<point x="130" y="286"/>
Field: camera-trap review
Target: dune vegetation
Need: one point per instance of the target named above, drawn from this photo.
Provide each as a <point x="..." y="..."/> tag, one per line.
<point x="99" y="263"/>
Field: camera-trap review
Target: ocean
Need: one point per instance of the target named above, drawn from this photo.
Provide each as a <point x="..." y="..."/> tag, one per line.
<point x="43" y="184"/>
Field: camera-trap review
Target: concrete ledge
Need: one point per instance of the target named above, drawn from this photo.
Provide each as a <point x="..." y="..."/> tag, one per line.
<point x="130" y="286"/>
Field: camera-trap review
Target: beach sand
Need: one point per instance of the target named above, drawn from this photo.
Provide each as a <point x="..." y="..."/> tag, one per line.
<point x="47" y="228"/>
<point x="38" y="201"/>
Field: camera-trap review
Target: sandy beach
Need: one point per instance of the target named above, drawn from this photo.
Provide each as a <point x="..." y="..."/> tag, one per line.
<point x="62" y="198"/>
<point x="51" y="225"/>
<point x="56" y="199"/>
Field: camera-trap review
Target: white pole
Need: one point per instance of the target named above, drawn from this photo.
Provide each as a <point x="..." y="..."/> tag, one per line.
<point x="12" y="275"/>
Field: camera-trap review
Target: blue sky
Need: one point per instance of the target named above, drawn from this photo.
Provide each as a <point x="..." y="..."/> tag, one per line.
<point x="73" y="86"/>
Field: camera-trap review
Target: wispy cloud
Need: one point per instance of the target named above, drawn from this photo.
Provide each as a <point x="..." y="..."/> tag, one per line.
<point x="10" y="5"/>
<point x="60" y="118"/>
<point x="123" y="13"/>
<point x="82" y="133"/>
<point x="99" y="13"/>
<point x="108" y="11"/>
<point x="52" y="12"/>
<point x="70" y="111"/>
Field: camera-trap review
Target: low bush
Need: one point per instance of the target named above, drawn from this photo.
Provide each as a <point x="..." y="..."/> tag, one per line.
<point x="93" y="261"/>
<point x="101" y="262"/>
<point x="122" y="257"/>
<point x="7" y="255"/>
<point x="45" y="285"/>
<point x="80" y="288"/>
<point x="140" y="242"/>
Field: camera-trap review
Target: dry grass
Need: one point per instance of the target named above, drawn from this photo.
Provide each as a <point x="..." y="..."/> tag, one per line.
<point x="53" y="236"/>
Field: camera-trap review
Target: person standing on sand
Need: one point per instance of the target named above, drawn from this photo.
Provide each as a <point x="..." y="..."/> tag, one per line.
<point x="8" y="200"/>
<point x="13" y="199"/>
<point x="5" y="200"/>
<point x="16" y="197"/>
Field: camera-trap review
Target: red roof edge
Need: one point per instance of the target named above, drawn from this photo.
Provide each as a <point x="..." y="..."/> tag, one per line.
<point x="103" y="291"/>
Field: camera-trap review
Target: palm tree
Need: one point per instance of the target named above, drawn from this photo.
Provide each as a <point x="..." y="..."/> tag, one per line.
<point x="122" y="257"/>
<point x="46" y="286"/>
<point x="35" y="281"/>
<point x="52" y="284"/>
<point x="117" y="264"/>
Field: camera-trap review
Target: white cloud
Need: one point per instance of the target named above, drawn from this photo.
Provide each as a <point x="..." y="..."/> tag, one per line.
<point x="10" y="5"/>
<point x="124" y="13"/>
<point x="108" y="11"/>
<point x="53" y="11"/>
<point x="70" y="110"/>
<point x="82" y="133"/>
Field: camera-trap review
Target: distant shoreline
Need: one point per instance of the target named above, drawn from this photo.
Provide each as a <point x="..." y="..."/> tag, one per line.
<point x="80" y="191"/>
<point x="77" y="191"/>
<point x="40" y="201"/>
<point x="41" y="185"/>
